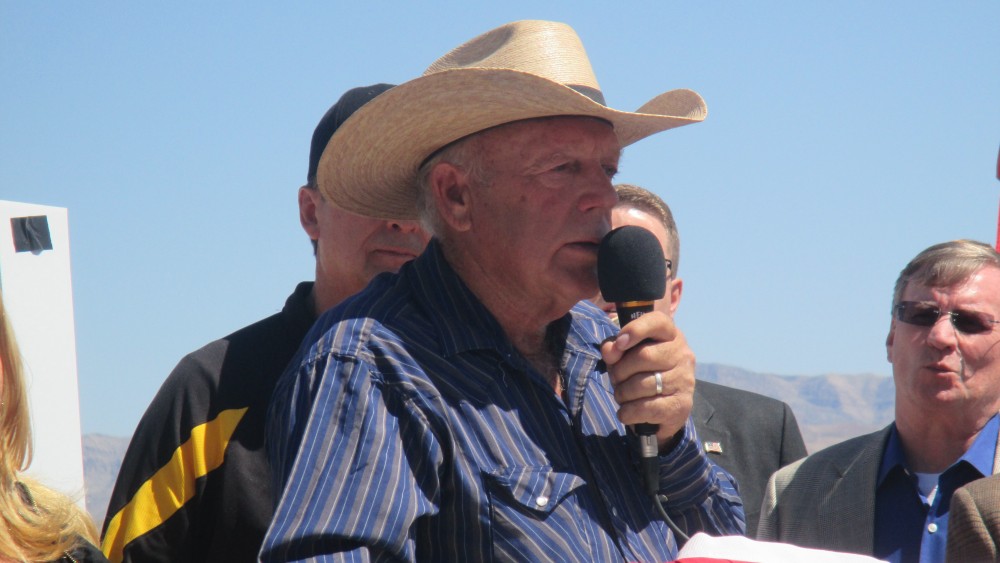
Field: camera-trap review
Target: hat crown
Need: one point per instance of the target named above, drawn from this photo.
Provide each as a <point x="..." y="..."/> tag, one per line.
<point x="551" y="50"/>
<point x="522" y="70"/>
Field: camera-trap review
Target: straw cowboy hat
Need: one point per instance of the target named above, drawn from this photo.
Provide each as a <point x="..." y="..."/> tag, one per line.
<point x="517" y="71"/>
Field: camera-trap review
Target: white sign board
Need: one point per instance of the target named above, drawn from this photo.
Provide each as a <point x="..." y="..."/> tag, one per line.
<point x="38" y="295"/>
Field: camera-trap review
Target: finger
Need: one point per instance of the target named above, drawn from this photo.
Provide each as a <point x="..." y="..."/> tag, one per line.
<point x="669" y="412"/>
<point x="651" y="326"/>
<point x="652" y="356"/>
<point x="649" y="385"/>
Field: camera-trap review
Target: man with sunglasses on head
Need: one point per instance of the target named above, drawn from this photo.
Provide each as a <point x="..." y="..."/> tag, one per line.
<point x="887" y="494"/>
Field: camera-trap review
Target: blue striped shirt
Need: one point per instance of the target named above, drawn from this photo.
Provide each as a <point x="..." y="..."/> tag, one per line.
<point x="412" y="429"/>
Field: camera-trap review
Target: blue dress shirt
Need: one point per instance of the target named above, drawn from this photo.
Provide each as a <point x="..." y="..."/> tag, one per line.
<point x="907" y="527"/>
<point x="410" y="428"/>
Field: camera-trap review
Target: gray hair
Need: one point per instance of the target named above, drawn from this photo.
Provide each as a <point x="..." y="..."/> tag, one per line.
<point x="945" y="265"/>
<point x="465" y="154"/>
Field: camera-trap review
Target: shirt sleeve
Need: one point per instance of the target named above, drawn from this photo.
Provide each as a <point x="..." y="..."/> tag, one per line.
<point x="701" y="496"/>
<point x="351" y="492"/>
<point x="174" y="445"/>
<point x="287" y="415"/>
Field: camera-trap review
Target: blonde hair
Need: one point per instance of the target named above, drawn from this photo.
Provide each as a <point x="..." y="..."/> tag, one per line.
<point x="945" y="264"/>
<point x="38" y="524"/>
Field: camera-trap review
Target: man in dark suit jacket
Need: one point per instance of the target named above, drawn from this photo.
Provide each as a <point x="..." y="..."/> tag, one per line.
<point x="749" y="435"/>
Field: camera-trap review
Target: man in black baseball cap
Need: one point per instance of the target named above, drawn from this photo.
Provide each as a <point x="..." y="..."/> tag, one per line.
<point x="195" y="482"/>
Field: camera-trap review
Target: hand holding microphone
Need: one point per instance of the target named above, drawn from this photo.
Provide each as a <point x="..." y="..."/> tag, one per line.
<point x="650" y="364"/>
<point x="645" y="347"/>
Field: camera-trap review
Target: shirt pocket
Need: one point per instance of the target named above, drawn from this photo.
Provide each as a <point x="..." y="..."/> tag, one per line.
<point x="536" y="510"/>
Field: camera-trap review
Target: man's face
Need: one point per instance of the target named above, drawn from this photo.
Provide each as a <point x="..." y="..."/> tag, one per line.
<point x="538" y="224"/>
<point x="353" y="249"/>
<point x="623" y="215"/>
<point x="939" y="370"/>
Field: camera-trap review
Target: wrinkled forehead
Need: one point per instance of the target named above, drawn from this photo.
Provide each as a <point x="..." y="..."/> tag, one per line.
<point x="980" y="288"/>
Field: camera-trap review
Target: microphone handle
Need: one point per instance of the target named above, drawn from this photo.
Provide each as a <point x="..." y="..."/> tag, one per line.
<point x="649" y="450"/>
<point x="629" y="311"/>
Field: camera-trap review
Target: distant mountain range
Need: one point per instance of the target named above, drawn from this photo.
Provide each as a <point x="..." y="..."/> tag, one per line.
<point x="829" y="409"/>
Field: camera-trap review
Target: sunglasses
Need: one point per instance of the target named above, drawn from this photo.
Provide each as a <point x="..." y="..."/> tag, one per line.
<point x="926" y="314"/>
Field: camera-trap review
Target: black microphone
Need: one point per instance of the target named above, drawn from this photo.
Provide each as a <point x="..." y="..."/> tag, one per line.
<point x="632" y="274"/>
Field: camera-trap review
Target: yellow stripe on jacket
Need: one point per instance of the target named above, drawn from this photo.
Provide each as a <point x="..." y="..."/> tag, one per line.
<point x="173" y="485"/>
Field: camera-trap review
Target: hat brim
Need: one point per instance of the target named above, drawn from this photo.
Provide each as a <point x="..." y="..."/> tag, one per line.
<point x="370" y="165"/>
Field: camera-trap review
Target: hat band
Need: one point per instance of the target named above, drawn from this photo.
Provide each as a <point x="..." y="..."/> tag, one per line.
<point x="592" y="93"/>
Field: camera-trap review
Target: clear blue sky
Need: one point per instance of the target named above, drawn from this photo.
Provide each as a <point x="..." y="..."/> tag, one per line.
<point x="842" y="139"/>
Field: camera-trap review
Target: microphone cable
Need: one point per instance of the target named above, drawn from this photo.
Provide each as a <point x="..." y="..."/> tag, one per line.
<point x="681" y="538"/>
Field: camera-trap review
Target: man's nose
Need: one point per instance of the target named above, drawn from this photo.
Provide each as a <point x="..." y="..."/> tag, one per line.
<point x="404" y="226"/>
<point x="943" y="334"/>
<point x="599" y="192"/>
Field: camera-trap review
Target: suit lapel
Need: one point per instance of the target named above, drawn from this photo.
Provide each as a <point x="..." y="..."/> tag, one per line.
<point x="848" y="510"/>
<point x="709" y="430"/>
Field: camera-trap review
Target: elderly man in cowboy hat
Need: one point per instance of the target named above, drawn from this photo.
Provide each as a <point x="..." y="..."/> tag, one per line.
<point x="471" y="408"/>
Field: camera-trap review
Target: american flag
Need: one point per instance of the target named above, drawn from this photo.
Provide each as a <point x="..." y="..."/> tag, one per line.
<point x="713" y="447"/>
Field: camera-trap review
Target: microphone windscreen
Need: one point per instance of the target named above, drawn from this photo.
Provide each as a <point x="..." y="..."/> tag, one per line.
<point x="630" y="266"/>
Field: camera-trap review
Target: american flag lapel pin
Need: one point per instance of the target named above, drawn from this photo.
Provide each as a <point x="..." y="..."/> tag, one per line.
<point x="713" y="447"/>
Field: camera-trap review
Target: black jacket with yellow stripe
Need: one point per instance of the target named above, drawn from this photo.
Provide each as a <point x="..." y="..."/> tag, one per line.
<point x="194" y="484"/>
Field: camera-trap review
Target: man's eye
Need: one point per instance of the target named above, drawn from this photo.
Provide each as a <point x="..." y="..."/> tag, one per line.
<point x="611" y="171"/>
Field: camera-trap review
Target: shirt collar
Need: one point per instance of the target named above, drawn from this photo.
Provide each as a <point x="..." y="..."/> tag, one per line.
<point x="462" y="321"/>
<point x="590" y="327"/>
<point x="980" y="455"/>
<point x="299" y="307"/>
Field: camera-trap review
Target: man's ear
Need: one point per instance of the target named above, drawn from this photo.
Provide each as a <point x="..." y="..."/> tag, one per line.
<point x="452" y="195"/>
<point x="309" y="201"/>
<point x="889" y="340"/>
<point x="676" y="287"/>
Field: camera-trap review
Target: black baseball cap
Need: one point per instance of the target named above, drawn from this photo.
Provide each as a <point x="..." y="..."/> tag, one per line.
<point x="337" y="115"/>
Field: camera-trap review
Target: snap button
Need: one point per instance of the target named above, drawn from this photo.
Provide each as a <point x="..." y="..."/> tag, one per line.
<point x="542" y="501"/>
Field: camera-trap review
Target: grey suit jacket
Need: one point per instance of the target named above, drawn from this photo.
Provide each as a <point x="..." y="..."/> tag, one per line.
<point x="974" y="522"/>
<point x="757" y="435"/>
<point x="826" y="500"/>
